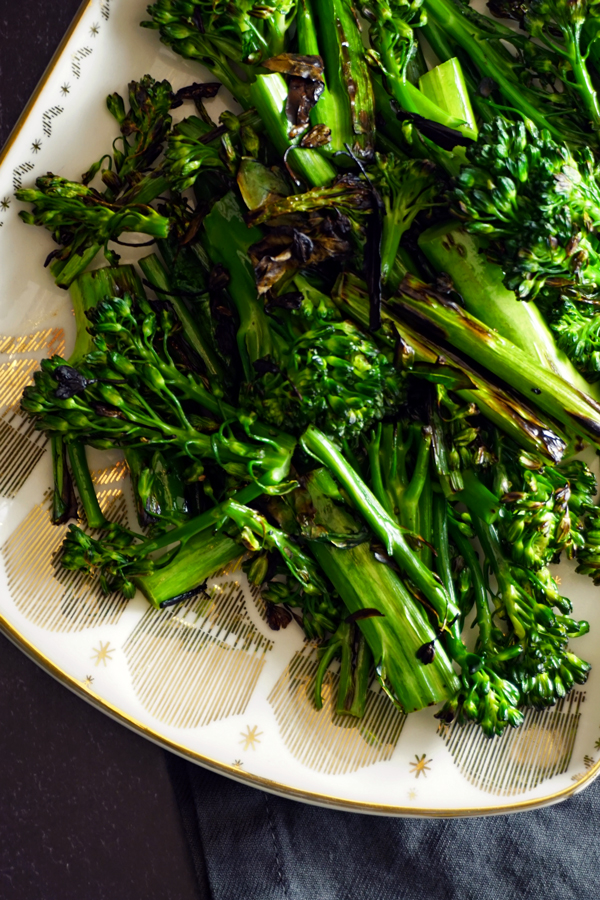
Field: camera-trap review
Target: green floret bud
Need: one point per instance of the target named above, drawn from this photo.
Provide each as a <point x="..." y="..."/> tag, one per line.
<point x="333" y="377"/>
<point x="538" y="201"/>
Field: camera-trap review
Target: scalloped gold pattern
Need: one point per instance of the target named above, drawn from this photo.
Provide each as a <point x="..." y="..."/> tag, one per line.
<point x="521" y="758"/>
<point x="48" y="595"/>
<point x="323" y="740"/>
<point x="198" y="662"/>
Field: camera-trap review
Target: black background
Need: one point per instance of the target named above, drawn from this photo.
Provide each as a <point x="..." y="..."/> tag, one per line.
<point x="87" y="809"/>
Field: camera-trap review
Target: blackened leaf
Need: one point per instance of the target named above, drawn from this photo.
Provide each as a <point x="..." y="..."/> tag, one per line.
<point x="444" y="137"/>
<point x="277" y="616"/>
<point x="205" y="91"/>
<point x="289" y="300"/>
<point x="264" y="365"/>
<point x="302" y="96"/>
<point x="316" y="137"/>
<point x="361" y="614"/>
<point x="426" y="652"/>
<point x="109" y="412"/>
<point x="70" y="382"/>
<point x="308" y="67"/>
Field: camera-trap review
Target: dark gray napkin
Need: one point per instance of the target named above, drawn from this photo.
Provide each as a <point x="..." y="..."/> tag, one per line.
<point x="250" y="845"/>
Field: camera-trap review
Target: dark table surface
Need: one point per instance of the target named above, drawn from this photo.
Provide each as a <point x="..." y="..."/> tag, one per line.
<point x="87" y="808"/>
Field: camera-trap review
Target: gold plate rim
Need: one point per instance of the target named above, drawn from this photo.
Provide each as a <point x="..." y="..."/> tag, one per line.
<point x="266" y="784"/>
<point x="4" y="151"/>
<point x="214" y="765"/>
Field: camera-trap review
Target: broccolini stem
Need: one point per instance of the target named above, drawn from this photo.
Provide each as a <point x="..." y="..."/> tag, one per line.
<point x="332" y="107"/>
<point x="64" y="501"/>
<point x="85" y="487"/>
<point x="484" y="617"/>
<point x="396" y="635"/>
<point x="158" y="277"/>
<point x="409" y="508"/>
<point x="318" y="445"/>
<point x="443" y="562"/>
<point x="200" y="557"/>
<point x="347" y="73"/>
<point x="451" y="249"/>
<point x="490" y="544"/>
<point x="485" y="56"/>
<point x="446" y="321"/>
<point x="268" y="94"/>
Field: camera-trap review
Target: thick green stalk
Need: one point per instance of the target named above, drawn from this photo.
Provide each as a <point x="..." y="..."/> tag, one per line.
<point x="409" y="97"/>
<point x="228" y="238"/>
<point x="443" y="563"/>
<point x="91" y="288"/>
<point x="487" y="58"/>
<point x="64" y="501"/>
<point x="347" y="73"/>
<point x="85" y="486"/>
<point x="445" y="50"/>
<point x="331" y="109"/>
<point x="158" y="277"/>
<point x="446" y="321"/>
<point x="268" y="94"/>
<point x="451" y="249"/>
<point x="379" y="521"/>
<point x="505" y="409"/>
<point x="445" y="86"/>
<point x="395" y="636"/>
<point x="200" y="557"/>
<point x="587" y="92"/>
<point x="484" y="617"/>
<point x="409" y="508"/>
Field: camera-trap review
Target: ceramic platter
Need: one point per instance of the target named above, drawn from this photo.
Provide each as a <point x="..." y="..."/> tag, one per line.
<point x="208" y="679"/>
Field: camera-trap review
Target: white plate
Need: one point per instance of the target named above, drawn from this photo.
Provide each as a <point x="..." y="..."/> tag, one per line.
<point x="210" y="680"/>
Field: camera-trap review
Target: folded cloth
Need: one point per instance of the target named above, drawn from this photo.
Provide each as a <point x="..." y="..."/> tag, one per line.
<point x="251" y="845"/>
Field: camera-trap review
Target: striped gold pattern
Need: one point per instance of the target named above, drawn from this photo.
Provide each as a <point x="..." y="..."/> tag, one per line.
<point x="523" y="757"/>
<point x="45" y="593"/>
<point x="321" y="739"/>
<point x="51" y="341"/>
<point x="198" y="662"/>
<point x="21" y="447"/>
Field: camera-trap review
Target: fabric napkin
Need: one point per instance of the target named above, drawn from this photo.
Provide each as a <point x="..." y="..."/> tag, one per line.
<point x="250" y="845"/>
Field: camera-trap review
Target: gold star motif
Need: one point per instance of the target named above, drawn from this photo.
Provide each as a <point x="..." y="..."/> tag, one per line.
<point x="65" y="89"/>
<point x="5" y="204"/>
<point x="36" y="146"/>
<point x="588" y="761"/>
<point x="250" y="738"/>
<point x="597" y="744"/>
<point x="237" y="764"/>
<point x="94" y="29"/>
<point x="102" y="654"/>
<point x="420" y="766"/>
<point x="88" y="681"/>
<point x="558" y="580"/>
<point x="412" y="794"/>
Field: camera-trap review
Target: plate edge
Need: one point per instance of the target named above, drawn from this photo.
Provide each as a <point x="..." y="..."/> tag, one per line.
<point x="15" y="131"/>
<point x="266" y="784"/>
<point x="119" y="715"/>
